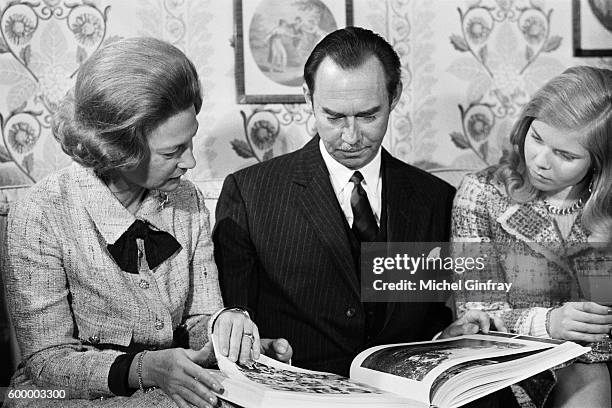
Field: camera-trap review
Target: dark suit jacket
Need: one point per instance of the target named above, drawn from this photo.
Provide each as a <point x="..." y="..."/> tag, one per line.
<point x="282" y="250"/>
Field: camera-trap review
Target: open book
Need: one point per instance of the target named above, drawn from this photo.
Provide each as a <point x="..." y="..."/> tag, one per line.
<point x="444" y="373"/>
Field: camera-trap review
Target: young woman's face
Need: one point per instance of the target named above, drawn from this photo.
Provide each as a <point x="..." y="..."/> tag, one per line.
<point x="555" y="158"/>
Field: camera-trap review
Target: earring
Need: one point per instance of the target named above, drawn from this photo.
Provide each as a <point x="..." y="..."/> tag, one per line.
<point x="591" y="182"/>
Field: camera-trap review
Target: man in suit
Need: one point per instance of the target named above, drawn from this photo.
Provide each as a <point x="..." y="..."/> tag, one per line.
<point x="288" y="232"/>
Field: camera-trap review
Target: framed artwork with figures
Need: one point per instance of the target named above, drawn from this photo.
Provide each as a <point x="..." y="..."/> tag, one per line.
<point x="592" y="28"/>
<point x="272" y="40"/>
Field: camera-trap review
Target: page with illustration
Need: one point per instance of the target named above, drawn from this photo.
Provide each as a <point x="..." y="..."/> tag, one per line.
<point x="416" y="368"/>
<point x="267" y="382"/>
<point x="468" y="381"/>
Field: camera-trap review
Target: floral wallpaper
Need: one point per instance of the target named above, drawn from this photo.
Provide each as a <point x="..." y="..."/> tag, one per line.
<point x="41" y="49"/>
<point x="505" y="57"/>
<point x="468" y="67"/>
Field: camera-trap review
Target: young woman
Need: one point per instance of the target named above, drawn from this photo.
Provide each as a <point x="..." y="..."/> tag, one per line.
<point x="546" y="199"/>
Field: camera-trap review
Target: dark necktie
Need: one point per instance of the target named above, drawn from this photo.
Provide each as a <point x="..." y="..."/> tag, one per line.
<point x="364" y="223"/>
<point x="159" y="246"/>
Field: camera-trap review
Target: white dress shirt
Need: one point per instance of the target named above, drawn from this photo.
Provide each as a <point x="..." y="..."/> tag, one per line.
<point x="340" y="175"/>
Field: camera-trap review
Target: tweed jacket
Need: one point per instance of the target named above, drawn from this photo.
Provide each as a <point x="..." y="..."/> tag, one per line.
<point x="529" y="252"/>
<point x="283" y="250"/>
<point x="73" y="308"/>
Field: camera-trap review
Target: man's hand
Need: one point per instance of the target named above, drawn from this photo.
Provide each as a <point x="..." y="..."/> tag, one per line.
<point x="278" y="349"/>
<point x="472" y="322"/>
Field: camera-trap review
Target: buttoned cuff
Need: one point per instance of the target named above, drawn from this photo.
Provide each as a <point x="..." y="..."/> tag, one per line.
<point x="538" y="322"/>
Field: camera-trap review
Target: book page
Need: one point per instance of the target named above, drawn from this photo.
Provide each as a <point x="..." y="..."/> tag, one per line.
<point x="282" y="377"/>
<point x="412" y="368"/>
<point x="493" y="374"/>
<point x="270" y="383"/>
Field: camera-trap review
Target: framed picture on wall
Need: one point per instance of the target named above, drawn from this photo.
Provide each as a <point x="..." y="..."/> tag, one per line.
<point x="273" y="39"/>
<point x="592" y="28"/>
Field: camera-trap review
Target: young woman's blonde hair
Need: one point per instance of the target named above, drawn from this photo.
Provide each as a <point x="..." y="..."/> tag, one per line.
<point x="578" y="99"/>
<point x="122" y="92"/>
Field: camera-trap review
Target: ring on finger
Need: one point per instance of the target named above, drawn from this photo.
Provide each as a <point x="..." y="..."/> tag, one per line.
<point x="249" y="336"/>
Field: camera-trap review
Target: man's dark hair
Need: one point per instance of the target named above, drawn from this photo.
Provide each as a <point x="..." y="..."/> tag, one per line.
<point x="349" y="48"/>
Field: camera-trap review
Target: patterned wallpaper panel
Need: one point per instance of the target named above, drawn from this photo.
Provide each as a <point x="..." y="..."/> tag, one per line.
<point x="468" y="67"/>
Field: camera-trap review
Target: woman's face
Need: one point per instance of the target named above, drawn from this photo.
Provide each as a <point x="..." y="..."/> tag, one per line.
<point x="555" y="158"/>
<point x="170" y="154"/>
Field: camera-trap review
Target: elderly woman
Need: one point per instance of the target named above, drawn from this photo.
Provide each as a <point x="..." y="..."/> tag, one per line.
<point x="111" y="281"/>
<point x="546" y="199"/>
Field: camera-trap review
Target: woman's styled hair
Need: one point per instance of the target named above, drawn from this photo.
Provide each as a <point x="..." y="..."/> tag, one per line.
<point x="579" y="99"/>
<point x="122" y="92"/>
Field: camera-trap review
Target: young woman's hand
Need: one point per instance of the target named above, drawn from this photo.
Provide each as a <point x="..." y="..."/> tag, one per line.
<point x="580" y="321"/>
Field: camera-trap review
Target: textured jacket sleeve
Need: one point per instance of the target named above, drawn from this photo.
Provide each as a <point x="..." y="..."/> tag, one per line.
<point x="39" y="300"/>
<point x="472" y="222"/>
<point x="235" y="254"/>
<point x="440" y="314"/>
<point x="204" y="296"/>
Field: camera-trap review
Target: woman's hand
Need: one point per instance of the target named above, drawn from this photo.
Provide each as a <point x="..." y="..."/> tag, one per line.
<point x="472" y="322"/>
<point x="580" y="321"/>
<point x="237" y="336"/>
<point x="179" y="374"/>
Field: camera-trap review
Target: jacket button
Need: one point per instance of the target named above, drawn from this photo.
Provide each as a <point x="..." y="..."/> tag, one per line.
<point x="350" y="312"/>
<point x="143" y="284"/>
<point x="94" y="339"/>
<point x="159" y="324"/>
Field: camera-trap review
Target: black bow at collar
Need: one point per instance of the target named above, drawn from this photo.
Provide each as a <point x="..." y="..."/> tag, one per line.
<point x="159" y="246"/>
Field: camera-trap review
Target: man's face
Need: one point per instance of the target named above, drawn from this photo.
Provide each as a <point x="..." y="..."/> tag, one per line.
<point x="351" y="110"/>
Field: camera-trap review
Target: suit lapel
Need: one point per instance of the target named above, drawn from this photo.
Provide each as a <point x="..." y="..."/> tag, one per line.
<point x="319" y="203"/>
<point x="403" y="205"/>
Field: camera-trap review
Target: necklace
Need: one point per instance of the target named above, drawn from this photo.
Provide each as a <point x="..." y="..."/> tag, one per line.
<point x="553" y="209"/>
<point x="163" y="200"/>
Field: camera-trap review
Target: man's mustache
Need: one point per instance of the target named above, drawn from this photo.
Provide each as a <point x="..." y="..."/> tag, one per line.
<point x="345" y="147"/>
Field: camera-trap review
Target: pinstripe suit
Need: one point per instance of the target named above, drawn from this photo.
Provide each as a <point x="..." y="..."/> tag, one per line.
<point x="282" y="249"/>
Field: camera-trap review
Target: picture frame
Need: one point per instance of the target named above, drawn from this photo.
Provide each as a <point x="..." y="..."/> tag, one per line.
<point x="272" y="40"/>
<point x="592" y="28"/>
